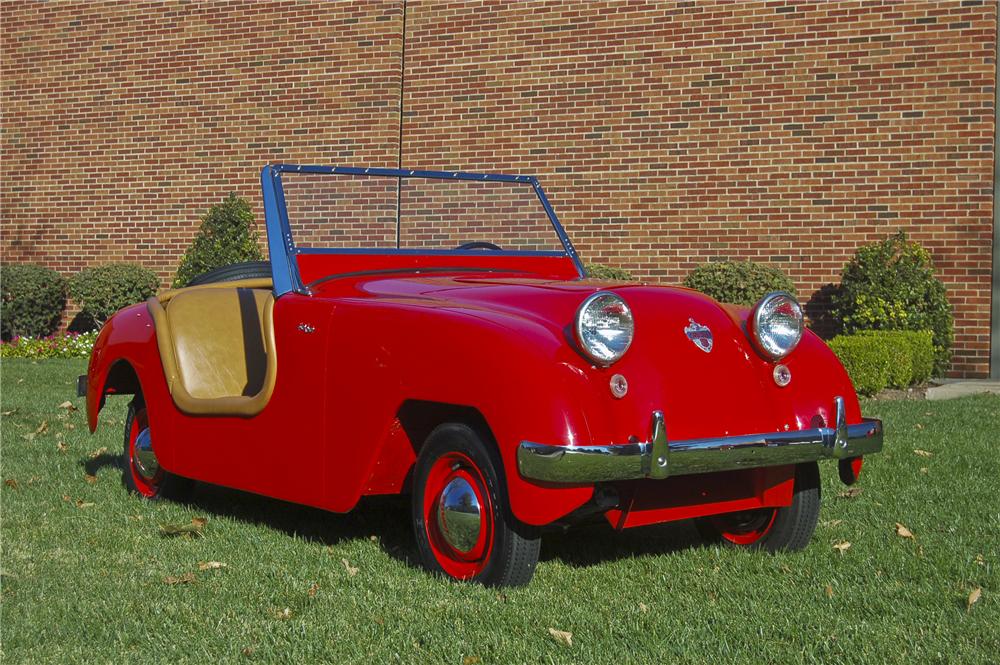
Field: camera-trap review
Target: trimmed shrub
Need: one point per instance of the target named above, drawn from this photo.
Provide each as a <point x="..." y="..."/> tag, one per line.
<point x="738" y="282"/>
<point x="103" y="290"/>
<point x="58" y="346"/>
<point x="33" y="299"/>
<point x="873" y="362"/>
<point x="919" y="347"/>
<point x="890" y="285"/>
<point x="598" y="271"/>
<point x="227" y="235"/>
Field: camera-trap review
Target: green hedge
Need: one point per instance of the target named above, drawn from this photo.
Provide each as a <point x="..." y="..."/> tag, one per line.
<point x="227" y="235"/>
<point x="880" y="359"/>
<point x="33" y="299"/>
<point x="738" y="282"/>
<point x="598" y="271"/>
<point x="890" y="285"/>
<point x="103" y="290"/>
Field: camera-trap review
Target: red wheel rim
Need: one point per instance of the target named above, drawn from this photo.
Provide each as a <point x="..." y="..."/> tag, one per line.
<point x="457" y="564"/>
<point x="145" y="486"/>
<point x="745" y="527"/>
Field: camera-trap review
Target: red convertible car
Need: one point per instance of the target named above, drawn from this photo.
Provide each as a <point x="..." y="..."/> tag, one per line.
<point x="434" y="334"/>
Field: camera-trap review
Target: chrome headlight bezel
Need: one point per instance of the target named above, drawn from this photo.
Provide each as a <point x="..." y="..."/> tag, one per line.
<point x="762" y="337"/>
<point x="602" y="355"/>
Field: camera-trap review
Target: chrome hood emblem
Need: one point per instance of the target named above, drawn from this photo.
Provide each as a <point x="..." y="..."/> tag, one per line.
<point x="700" y="335"/>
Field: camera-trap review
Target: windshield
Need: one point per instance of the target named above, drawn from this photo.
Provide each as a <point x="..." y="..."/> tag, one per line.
<point x="344" y="211"/>
<point x="327" y="221"/>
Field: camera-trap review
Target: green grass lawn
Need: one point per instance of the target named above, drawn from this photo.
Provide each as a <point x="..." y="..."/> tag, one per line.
<point x="86" y="572"/>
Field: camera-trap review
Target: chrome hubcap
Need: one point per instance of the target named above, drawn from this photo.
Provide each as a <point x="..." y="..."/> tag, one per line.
<point x="143" y="457"/>
<point x="459" y="515"/>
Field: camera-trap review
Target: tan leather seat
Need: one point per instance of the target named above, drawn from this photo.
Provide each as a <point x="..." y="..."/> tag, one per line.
<point x="217" y="348"/>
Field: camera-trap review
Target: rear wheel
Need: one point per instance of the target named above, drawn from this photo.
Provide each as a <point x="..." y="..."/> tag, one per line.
<point x="789" y="528"/>
<point x="142" y="473"/>
<point x="461" y="518"/>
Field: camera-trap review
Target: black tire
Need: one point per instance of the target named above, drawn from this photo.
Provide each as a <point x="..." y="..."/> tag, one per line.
<point x="167" y="485"/>
<point x="792" y="527"/>
<point x="512" y="555"/>
<point x="234" y="271"/>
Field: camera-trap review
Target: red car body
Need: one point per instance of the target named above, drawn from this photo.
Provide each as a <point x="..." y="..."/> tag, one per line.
<point x="370" y="360"/>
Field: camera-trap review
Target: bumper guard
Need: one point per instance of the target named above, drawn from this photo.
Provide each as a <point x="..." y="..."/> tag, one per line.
<point x="660" y="458"/>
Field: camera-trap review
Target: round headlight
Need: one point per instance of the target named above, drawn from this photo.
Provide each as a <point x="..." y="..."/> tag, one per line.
<point x="604" y="327"/>
<point x="776" y="325"/>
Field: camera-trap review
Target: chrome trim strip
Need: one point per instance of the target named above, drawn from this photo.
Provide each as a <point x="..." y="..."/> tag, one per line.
<point x="659" y="458"/>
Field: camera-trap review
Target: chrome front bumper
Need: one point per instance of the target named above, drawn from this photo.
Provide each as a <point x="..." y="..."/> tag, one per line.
<point x="660" y="458"/>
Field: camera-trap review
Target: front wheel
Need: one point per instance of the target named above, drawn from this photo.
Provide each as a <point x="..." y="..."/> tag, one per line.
<point x="461" y="518"/>
<point x="142" y="474"/>
<point x="773" y="529"/>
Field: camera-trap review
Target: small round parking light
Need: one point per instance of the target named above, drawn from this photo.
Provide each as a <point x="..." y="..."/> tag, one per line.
<point x="782" y="375"/>
<point x="619" y="386"/>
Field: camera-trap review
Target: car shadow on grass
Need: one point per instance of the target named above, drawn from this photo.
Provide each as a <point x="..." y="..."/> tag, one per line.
<point x="596" y="542"/>
<point x="386" y="519"/>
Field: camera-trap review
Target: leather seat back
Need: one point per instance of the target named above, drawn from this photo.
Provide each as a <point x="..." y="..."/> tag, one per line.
<point x="217" y="348"/>
<point x="218" y="340"/>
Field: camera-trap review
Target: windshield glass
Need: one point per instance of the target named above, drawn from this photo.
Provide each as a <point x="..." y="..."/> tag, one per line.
<point x="334" y="211"/>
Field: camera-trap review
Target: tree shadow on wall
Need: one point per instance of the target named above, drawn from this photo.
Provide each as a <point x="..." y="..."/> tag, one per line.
<point x="817" y="310"/>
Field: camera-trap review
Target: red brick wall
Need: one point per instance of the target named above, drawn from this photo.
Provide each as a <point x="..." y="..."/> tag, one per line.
<point x="123" y="121"/>
<point x="666" y="134"/>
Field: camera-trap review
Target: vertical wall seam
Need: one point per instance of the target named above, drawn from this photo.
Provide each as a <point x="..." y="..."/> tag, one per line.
<point x="399" y="138"/>
<point x="995" y="269"/>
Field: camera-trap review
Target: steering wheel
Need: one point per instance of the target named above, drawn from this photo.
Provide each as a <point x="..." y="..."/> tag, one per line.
<point x="480" y="245"/>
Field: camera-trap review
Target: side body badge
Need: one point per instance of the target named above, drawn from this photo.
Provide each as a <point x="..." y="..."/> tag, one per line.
<point x="700" y="335"/>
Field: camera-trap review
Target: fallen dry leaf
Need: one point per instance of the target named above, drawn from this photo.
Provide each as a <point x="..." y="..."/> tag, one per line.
<point x="980" y="560"/>
<point x="643" y="607"/>
<point x="832" y="523"/>
<point x="80" y="503"/>
<point x="9" y="413"/>
<point x="471" y="660"/>
<point x="43" y="428"/>
<point x="192" y="530"/>
<point x="62" y="447"/>
<point x="902" y="531"/>
<point x="94" y="454"/>
<point x="842" y="546"/>
<point x="186" y="578"/>
<point x="90" y="478"/>
<point x="923" y="453"/>
<point x="284" y="614"/>
<point x="923" y="469"/>
<point x="68" y="405"/>
<point x="850" y="493"/>
<point x="919" y="426"/>
<point x="11" y="483"/>
<point x="829" y="591"/>
<point x="313" y="589"/>
<point x="210" y="565"/>
<point x="248" y="651"/>
<point x="351" y="570"/>
<point x="973" y="598"/>
<point x="562" y="637"/>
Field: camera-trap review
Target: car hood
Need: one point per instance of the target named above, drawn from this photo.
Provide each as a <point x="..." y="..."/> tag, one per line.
<point x="730" y="386"/>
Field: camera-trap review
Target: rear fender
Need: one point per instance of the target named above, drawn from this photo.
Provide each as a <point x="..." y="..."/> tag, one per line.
<point x="124" y="361"/>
